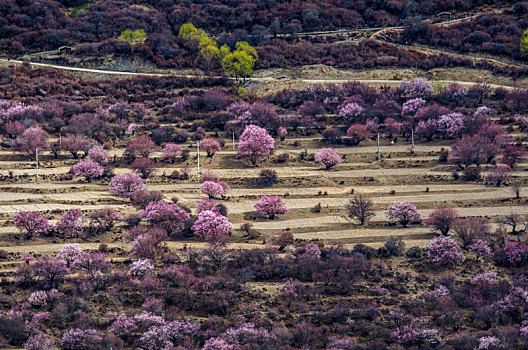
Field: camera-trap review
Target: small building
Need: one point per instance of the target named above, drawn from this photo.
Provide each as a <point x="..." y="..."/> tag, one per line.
<point x="65" y="50"/>
<point x="444" y="15"/>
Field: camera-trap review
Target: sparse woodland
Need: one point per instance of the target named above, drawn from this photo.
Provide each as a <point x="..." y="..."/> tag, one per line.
<point x="148" y="228"/>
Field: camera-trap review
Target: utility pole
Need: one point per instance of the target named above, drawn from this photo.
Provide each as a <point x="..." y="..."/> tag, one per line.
<point x="198" y="154"/>
<point x="60" y="143"/>
<point x="234" y="148"/>
<point x="36" y="162"/>
<point x="412" y="137"/>
<point x="379" y="154"/>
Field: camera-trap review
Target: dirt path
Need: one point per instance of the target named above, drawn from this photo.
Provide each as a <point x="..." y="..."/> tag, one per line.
<point x="295" y="172"/>
<point x="250" y="79"/>
<point x="465" y="17"/>
<point x="246" y="206"/>
<point x="45" y="207"/>
<point x="55" y="247"/>
<point x="474" y="57"/>
<point x="325" y="223"/>
<point x="372" y="190"/>
<point x="363" y="234"/>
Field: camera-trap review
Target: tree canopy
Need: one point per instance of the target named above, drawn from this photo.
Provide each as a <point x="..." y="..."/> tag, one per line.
<point x="524" y="42"/>
<point x="239" y="63"/>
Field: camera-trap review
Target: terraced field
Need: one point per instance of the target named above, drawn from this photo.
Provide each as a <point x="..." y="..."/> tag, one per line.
<point x="401" y="174"/>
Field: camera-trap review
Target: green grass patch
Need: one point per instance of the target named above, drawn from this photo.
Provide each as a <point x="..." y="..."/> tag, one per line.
<point x="80" y="7"/>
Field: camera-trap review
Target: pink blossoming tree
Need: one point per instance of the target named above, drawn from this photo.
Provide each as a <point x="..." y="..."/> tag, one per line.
<point x="516" y="253"/>
<point x="282" y="132"/>
<point x="32" y="139"/>
<point x="147" y="245"/>
<point x="180" y="106"/>
<point x="102" y="220"/>
<point x="38" y="298"/>
<point x="212" y="226"/>
<point x="98" y="154"/>
<point x="69" y="252"/>
<point x="372" y="125"/>
<point x="71" y="224"/>
<point x="211" y="146"/>
<point x="123" y="326"/>
<point x="481" y="249"/>
<point x="92" y="263"/>
<point x="40" y="341"/>
<point x="512" y="154"/>
<point x="416" y="87"/>
<point x="426" y="129"/>
<point x="207" y="204"/>
<point x="212" y="189"/>
<point x="350" y="111"/>
<point x="131" y="129"/>
<point x="76" y="339"/>
<point x="442" y="218"/>
<point x="51" y="270"/>
<point x="239" y="110"/>
<point x="171" y="152"/>
<point x="124" y="185"/>
<point x="14" y="128"/>
<point x="264" y="115"/>
<point x="142" y="268"/>
<point x="169" y="216"/>
<point x="358" y="133"/>
<point x="89" y="169"/>
<point x="77" y="145"/>
<point x="409" y="335"/>
<point x="255" y="144"/>
<point x="141" y="146"/>
<point x="444" y="251"/>
<point x="217" y="343"/>
<point x="469" y="150"/>
<point x="392" y="126"/>
<point x="328" y="157"/>
<point x="404" y="212"/>
<point x="271" y="206"/>
<point x="412" y="105"/>
<point x="451" y="125"/>
<point x="33" y="223"/>
<point x="145" y="166"/>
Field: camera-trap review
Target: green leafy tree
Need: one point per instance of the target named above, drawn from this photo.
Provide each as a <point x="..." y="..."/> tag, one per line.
<point x="224" y="51"/>
<point x="239" y="64"/>
<point x="524" y="42"/>
<point x="210" y="54"/>
<point x="189" y="31"/>
<point x="245" y="47"/>
<point x="133" y="36"/>
<point x="204" y="41"/>
<point x="241" y="91"/>
<point x="209" y="51"/>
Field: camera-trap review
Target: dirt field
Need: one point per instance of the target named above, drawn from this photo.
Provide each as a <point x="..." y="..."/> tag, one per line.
<point x="300" y="77"/>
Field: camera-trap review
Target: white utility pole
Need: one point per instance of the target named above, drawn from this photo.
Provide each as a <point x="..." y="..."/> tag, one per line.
<point x="60" y="143"/>
<point x="234" y="147"/>
<point x="36" y="162"/>
<point x="198" y="154"/>
<point x="379" y="154"/>
<point x="412" y="136"/>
